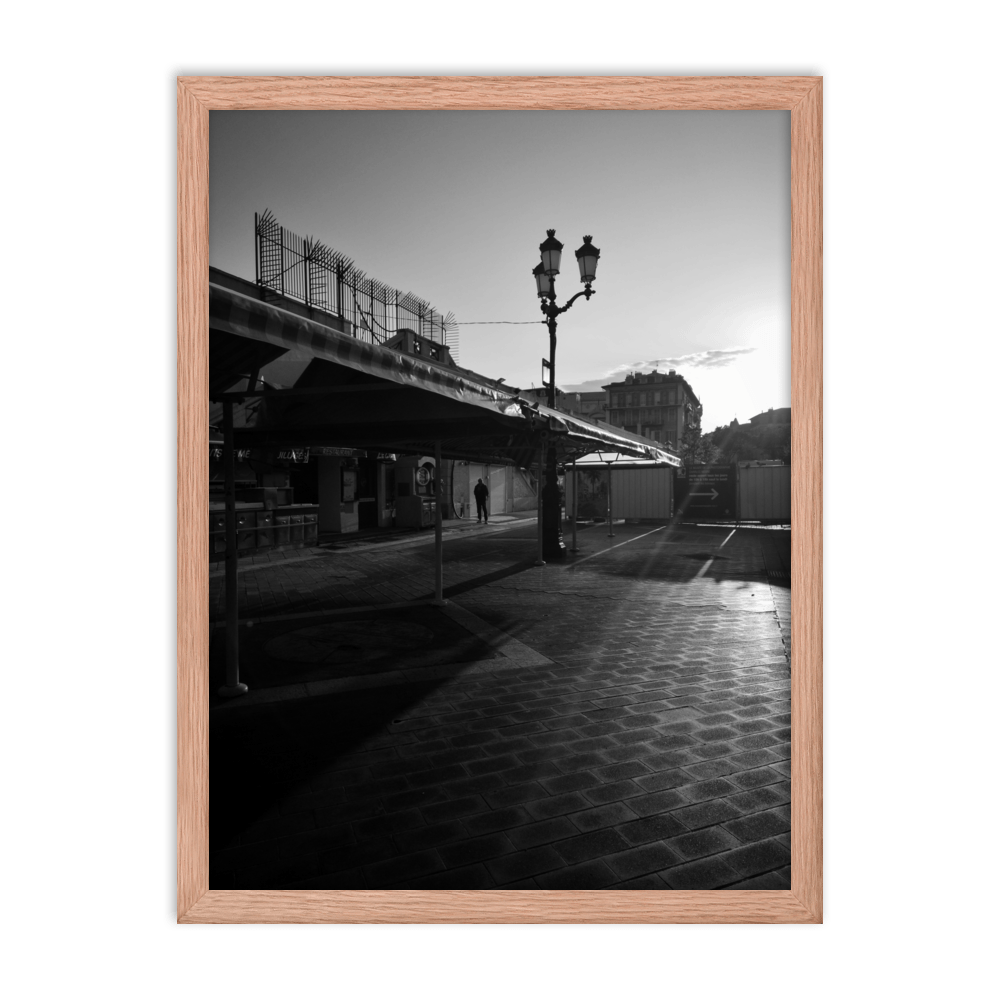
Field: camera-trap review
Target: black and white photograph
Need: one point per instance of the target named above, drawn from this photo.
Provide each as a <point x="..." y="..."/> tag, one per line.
<point x="499" y="504"/>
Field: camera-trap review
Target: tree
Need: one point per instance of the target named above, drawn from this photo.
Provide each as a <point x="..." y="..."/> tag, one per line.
<point x="697" y="448"/>
<point x="747" y="443"/>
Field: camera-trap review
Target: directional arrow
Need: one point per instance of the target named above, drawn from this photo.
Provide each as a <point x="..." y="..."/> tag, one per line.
<point x="714" y="494"/>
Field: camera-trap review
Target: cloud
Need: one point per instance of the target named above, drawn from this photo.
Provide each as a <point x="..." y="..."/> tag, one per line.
<point x="720" y="358"/>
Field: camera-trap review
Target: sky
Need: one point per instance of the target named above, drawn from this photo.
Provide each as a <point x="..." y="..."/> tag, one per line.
<point x="690" y="210"/>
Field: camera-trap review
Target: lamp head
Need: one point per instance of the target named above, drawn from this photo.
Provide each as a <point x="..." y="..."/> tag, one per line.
<point x="551" y="253"/>
<point x="587" y="257"/>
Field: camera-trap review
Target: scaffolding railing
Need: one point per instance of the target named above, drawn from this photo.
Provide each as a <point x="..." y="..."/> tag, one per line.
<point x="305" y="269"/>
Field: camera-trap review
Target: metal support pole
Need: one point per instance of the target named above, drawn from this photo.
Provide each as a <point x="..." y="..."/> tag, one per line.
<point x="232" y="688"/>
<point x="611" y="523"/>
<point x="576" y="495"/>
<point x="540" y="561"/>
<point x="555" y="548"/>
<point x="438" y="536"/>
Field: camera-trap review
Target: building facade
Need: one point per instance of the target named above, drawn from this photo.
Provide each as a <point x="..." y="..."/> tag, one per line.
<point x="590" y="405"/>
<point x="657" y="405"/>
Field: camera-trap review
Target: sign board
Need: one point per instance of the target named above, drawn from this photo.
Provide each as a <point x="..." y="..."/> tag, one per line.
<point x="348" y="485"/>
<point x="707" y="491"/>
<point x="329" y="452"/>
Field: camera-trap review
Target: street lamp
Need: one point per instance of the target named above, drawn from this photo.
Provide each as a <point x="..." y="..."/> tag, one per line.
<point x="545" y="280"/>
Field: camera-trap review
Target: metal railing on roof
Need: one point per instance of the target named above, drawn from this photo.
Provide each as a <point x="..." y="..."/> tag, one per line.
<point x="305" y="269"/>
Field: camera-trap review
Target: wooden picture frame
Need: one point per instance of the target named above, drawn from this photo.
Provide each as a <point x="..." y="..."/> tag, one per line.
<point x="196" y="96"/>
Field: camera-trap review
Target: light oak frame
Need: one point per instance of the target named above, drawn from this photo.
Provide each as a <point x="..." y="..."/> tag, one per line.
<point x="196" y="96"/>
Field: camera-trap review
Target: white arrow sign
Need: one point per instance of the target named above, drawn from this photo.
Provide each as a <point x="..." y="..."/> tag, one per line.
<point x="714" y="494"/>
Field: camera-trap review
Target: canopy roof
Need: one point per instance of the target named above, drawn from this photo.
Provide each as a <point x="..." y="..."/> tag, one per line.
<point x="367" y="396"/>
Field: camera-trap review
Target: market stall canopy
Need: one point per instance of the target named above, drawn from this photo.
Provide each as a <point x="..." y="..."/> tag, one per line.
<point x="368" y="396"/>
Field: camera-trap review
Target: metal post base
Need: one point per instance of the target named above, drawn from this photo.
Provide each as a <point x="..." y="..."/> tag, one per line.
<point x="232" y="692"/>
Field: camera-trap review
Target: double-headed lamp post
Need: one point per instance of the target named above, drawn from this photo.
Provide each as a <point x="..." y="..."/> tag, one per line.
<point x="545" y="278"/>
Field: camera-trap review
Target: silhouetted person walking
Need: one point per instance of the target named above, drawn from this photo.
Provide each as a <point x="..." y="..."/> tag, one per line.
<point x="481" y="493"/>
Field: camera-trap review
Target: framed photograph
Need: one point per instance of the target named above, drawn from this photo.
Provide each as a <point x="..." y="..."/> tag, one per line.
<point x="507" y="606"/>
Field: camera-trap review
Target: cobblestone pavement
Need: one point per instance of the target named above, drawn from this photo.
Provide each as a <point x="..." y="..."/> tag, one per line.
<point x="629" y="728"/>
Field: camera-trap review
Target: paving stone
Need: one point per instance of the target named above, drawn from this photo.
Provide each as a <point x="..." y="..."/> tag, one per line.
<point x="454" y="809"/>
<point x="711" y="789"/>
<point x="756" y="778"/>
<point x="668" y="760"/>
<point x="663" y="779"/>
<point x="644" y="882"/>
<point x="556" y="805"/>
<point x="600" y="728"/>
<point x="413" y="797"/>
<point x="714" y="734"/>
<point x="539" y="754"/>
<point x="587" y="846"/>
<point x="758" y="741"/>
<point x="635" y="736"/>
<point x="616" y="772"/>
<point x="498" y="819"/>
<point x="642" y="860"/>
<point x="709" y="751"/>
<point x="437" y="776"/>
<point x="754" y="859"/>
<point x="515" y="794"/>
<point x="384" y="826"/>
<point x="402" y="868"/>
<point x="617" y="791"/>
<point x="574" y="782"/>
<point x="629" y="753"/>
<point x="524" y="864"/>
<point x="759" y="826"/>
<point x="470" y="877"/>
<point x="717" y="718"/>
<point x="591" y="875"/>
<point x="472" y="786"/>
<point x="351" y="879"/>
<point x="544" y="832"/>
<point x="757" y="800"/>
<point x="708" y="813"/>
<point x="426" y="837"/>
<point x="673" y="741"/>
<point x="357" y="856"/>
<point x="656" y="802"/>
<point x="468" y="852"/>
<point x="709" y="873"/>
<point x="702" y="842"/>
<point x="756" y="758"/>
<point x="549" y="739"/>
<point x="492" y="764"/>
<point x="770" y="880"/>
<point x="650" y="828"/>
<point x="532" y="772"/>
<point x="603" y="816"/>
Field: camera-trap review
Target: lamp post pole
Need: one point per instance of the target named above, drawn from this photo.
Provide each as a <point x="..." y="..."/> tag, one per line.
<point x="545" y="277"/>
